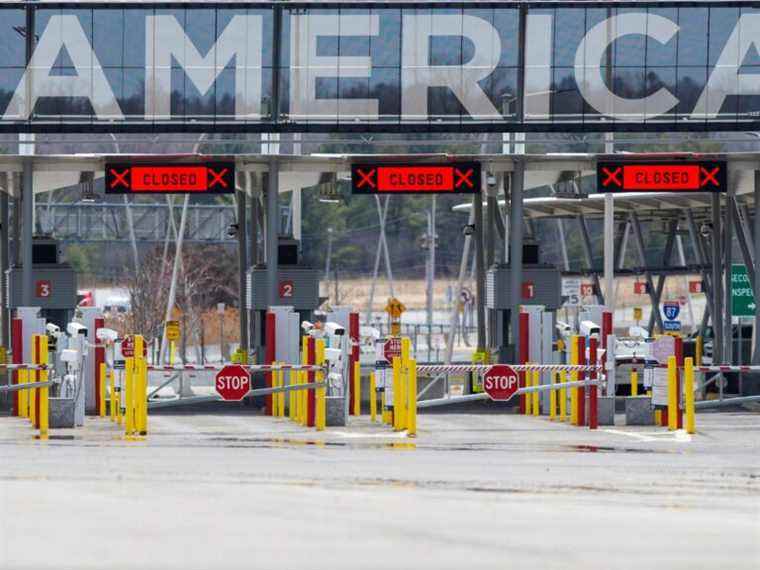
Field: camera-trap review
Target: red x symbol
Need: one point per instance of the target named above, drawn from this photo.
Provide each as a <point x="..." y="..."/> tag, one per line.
<point x="366" y="178"/>
<point x="216" y="178"/>
<point x="612" y="176"/>
<point x="119" y="178"/>
<point x="709" y="176"/>
<point x="463" y="178"/>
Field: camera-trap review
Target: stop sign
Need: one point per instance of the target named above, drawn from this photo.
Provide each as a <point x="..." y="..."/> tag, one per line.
<point x="500" y="382"/>
<point x="391" y="349"/>
<point x="233" y="382"/>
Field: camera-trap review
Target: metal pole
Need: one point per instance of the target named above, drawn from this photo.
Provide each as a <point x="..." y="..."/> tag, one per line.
<point x="609" y="251"/>
<point x="253" y="256"/>
<point x="717" y="314"/>
<point x="454" y="319"/>
<point x="175" y="273"/>
<point x="728" y="242"/>
<point x="328" y="259"/>
<point x="639" y="239"/>
<point x="28" y="229"/>
<point x="4" y="262"/>
<point x="516" y="252"/>
<point x="381" y="212"/>
<point x="242" y="267"/>
<point x="480" y="281"/>
<point x="756" y="349"/>
<point x="273" y="229"/>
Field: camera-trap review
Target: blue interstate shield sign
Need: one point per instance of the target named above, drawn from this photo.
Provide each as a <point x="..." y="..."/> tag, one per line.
<point x="671" y="310"/>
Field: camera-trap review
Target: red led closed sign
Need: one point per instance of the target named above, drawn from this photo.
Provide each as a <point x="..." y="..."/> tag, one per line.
<point x="454" y="178"/>
<point x="211" y="178"/>
<point x="661" y="177"/>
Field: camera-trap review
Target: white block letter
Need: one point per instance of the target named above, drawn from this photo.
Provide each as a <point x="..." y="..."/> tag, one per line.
<point x="64" y="31"/>
<point x="241" y="39"/>
<point x="306" y="66"/>
<point x="588" y="72"/>
<point x="417" y="75"/>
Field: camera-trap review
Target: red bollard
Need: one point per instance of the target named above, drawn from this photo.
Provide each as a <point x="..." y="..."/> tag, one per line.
<point x="679" y="362"/>
<point x="353" y="335"/>
<point x="606" y="327"/>
<point x="593" y="397"/>
<point x="269" y="357"/>
<point x="581" y="377"/>
<point x="524" y="352"/>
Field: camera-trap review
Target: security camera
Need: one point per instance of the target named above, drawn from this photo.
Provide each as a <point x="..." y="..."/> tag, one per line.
<point x="706" y="230"/>
<point x="468" y="229"/>
<point x="75" y="329"/>
<point x="491" y="179"/>
<point x="232" y="230"/>
<point x="589" y="328"/>
<point x="307" y="326"/>
<point x="334" y="329"/>
<point x="53" y="330"/>
<point x="107" y="335"/>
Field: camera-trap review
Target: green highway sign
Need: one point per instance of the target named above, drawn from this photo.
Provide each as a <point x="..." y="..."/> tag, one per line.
<point x="742" y="300"/>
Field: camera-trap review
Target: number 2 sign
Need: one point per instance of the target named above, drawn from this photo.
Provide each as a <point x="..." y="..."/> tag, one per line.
<point x="286" y="289"/>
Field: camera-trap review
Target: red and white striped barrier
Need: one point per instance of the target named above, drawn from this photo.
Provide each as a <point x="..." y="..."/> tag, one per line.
<point x="482" y="368"/>
<point x="24" y="366"/>
<point x="754" y="368"/>
<point x="251" y="367"/>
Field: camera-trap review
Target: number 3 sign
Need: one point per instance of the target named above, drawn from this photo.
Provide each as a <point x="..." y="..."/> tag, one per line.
<point x="43" y="289"/>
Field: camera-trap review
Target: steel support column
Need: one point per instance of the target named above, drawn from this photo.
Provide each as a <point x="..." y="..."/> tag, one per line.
<point x="728" y="254"/>
<point x="701" y="256"/>
<point x="480" y="272"/>
<point x="27" y="280"/>
<point x="756" y="348"/>
<point x="639" y="239"/>
<point x="242" y="268"/>
<point x="4" y="263"/>
<point x="516" y="250"/>
<point x="744" y="238"/>
<point x="273" y="229"/>
<point x="717" y="266"/>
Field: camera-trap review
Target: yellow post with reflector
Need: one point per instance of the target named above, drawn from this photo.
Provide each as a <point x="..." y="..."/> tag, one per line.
<point x="43" y="358"/>
<point x="634" y="382"/>
<point x="411" y="412"/>
<point x="320" y="414"/>
<point x="688" y="386"/>
<point x="553" y="398"/>
<point x="574" y="356"/>
<point x="357" y="403"/>
<point x="672" y="393"/>
<point x="102" y="383"/>
<point x="112" y="393"/>
<point x="536" y="395"/>
<point x="372" y="398"/>
<point x="32" y="378"/>
<point x="140" y="383"/>
<point x="563" y="397"/>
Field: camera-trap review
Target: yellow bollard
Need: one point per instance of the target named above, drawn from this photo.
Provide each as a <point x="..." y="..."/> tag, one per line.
<point x="282" y="394"/>
<point x="275" y="395"/>
<point x="320" y="414"/>
<point x="292" y="395"/>
<point x="553" y="398"/>
<point x="112" y="393"/>
<point x="129" y="413"/>
<point x="102" y="383"/>
<point x="536" y="395"/>
<point x="688" y="386"/>
<point x="634" y="382"/>
<point x="172" y="352"/>
<point x="396" y="393"/>
<point x="31" y="378"/>
<point x="574" y="378"/>
<point x="141" y="388"/>
<point x="528" y="396"/>
<point x="44" y="394"/>
<point x="672" y="394"/>
<point x="372" y="398"/>
<point x="357" y="403"/>
<point x="387" y="413"/>
<point x="23" y="396"/>
<point x="303" y="378"/>
<point x="411" y="412"/>
<point x="563" y="397"/>
<point x="403" y="395"/>
<point x="698" y="350"/>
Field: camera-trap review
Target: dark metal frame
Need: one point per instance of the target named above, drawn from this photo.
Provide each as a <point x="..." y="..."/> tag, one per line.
<point x="349" y="126"/>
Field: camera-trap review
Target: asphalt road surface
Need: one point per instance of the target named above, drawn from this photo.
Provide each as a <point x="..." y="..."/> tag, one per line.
<point x="235" y="490"/>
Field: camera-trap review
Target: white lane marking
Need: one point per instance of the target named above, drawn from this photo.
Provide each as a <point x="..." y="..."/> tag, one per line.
<point x="355" y="435"/>
<point x="678" y="435"/>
